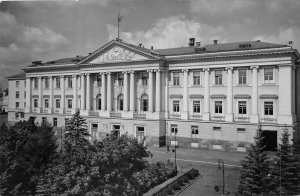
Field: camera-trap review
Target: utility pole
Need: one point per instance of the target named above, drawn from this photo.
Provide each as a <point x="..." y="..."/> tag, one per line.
<point x="219" y="164"/>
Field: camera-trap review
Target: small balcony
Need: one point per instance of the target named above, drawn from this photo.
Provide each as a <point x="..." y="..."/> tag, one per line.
<point x="68" y="111"/>
<point x="268" y="120"/>
<point x="139" y="116"/>
<point x="115" y="115"/>
<point x="56" y="110"/>
<point x="195" y="116"/>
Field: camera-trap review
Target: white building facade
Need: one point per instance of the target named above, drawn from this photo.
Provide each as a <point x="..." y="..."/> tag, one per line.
<point x="212" y="97"/>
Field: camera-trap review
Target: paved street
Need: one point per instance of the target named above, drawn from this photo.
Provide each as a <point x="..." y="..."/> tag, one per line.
<point x="206" y="162"/>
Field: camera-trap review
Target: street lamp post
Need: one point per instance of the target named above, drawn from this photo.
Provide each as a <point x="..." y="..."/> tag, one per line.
<point x="219" y="164"/>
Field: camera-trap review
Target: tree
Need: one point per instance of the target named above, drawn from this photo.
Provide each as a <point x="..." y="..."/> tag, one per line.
<point x="285" y="168"/>
<point x="67" y="173"/>
<point x="25" y="151"/>
<point x="255" y="178"/>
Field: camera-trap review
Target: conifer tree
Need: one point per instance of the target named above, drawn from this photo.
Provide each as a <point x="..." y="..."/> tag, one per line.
<point x="255" y="178"/>
<point x="285" y="168"/>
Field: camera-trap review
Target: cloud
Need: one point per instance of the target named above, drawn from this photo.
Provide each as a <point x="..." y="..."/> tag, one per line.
<point x="170" y="32"/>
<point x="282" y="37"/>
<point x="20" y="44"/>
<point x="220" y="6"/>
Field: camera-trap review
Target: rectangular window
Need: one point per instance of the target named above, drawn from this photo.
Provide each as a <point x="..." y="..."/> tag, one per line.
<point x="24" y="94"/>
<point x="144" y="79"/>
<point x="66" y="121"/>
<point x="17" y="84"/>
<point x="98" y="81"/>
<point x="36" y="84"/>
<point x="17" y="94"/>
<point x="55" y="122"/>
<point x="176" y="79"/>
<point x="24" y="104"/>
<point x="242" y="76"/>
<point x="46" y="103"/>
<point x="46" y="83"/>
<point x="268" y="74"/>
<point x="242" y="107"/>
<point x="269" y="108"/>
<point x="174" y="129"/>
<point x="22" y="115"/>
<point x="69" y="82"/>
<point x="176" y="106"/>
<point x="17" y="115"/>
<point x="44" y="120"/>
<point x="196" y="77"/>
<point x="217" y="135"/>
<point x="69" y="103"/>
<point x="25" y="83"/>
<point x="57" y="103"/>
<point x="57" y="81"/>
<point x="218" y="77"/>
<point x="241" y="130"/>
<point x="17" y="104"/>
<point x="194" y="130"/>
<point x="120" y="79"/>
<point x="35" y="103"/>
<point x="218" y="107"/>
<point x="196" y="105"/>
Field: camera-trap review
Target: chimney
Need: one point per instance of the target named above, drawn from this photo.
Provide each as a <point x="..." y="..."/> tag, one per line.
<point x="151" y="47"/>
<point x="140" y="44"/>
<point x="215" y="41"/>
<point x="257" y="40"/>
<point x="192" y="42"/>
<point x="290" y="42"/>
<point x="198" y="44"/>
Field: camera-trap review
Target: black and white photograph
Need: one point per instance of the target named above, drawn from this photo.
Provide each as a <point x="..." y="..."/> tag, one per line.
<point x="150" y="98"/>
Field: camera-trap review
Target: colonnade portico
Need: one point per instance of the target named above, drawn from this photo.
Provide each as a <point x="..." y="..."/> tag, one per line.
<point x="85" y="93"/>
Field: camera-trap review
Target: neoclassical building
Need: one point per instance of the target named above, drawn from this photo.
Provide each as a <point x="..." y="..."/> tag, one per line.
<point x="211" y="96"/>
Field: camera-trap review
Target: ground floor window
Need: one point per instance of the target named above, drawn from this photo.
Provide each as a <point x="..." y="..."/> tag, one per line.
<point x="140" y="134"/>
<point x="44" y="120"/>
<point x="194" y="130"/>
<point x="174" y="129"/>
<point x="270" y="140"/>
<point x="116" y="130"/>
<point x="55" y="122"/>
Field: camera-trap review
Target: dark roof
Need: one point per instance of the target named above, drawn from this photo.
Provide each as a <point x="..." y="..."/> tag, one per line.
<point x="17" y="76"/>
<point x="69" y="60"/>
<point x="218" y="48"/>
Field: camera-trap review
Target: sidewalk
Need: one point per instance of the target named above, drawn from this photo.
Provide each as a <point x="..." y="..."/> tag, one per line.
<point x="206" y="161"/>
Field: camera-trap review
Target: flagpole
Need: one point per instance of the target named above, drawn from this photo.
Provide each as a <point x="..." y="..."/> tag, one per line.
<point x="119" y="26"/>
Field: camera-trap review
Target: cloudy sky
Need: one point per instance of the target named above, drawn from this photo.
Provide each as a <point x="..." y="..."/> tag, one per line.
<point x="48" y="30"/>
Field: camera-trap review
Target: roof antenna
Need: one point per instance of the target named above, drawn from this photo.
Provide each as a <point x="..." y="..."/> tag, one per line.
<point x="119" y="20"/>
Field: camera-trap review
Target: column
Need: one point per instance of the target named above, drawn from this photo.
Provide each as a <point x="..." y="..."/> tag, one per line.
<point x="82" y="86"/>
<point x="103" y="92"/>
<point x="285" y="94"/>
<point x="126" y="91"/>
<point x="88" y="91"/>
<point x="75" y="91"/>
<point x="229" y="114"/>
<point x="62" y="82"/>
<point x="206" y="114"/>
<point x="51" y="94"/>
<point x="40" y="106"/>
<point x="185" y="95"/>
<point x="158" y="91"/>
<point x="28" y="95"/>
<point x="150" y="90"/>
<point x="132" y="92"/>
<point x="109" y="92"/>
<point x="254" y="98"/>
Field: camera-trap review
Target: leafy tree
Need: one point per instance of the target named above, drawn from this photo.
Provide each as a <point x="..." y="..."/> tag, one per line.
<point x="25" y="151"/>
<point x="285" y="171"/>
<point x="255" y="178"/>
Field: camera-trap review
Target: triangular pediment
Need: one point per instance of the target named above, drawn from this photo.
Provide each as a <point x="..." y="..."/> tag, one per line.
<point x="118" y="52"/>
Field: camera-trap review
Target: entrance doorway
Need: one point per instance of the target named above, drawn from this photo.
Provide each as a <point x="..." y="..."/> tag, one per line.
<point x="140" y="134"/>
<point x="116" y="130"/>
<point x="270" y="140"/>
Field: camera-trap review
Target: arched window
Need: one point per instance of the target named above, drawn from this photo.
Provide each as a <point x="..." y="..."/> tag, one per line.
<point x="98" y="102"/>
<point x="120" y="102"/>
<point x="144" y="102"/>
